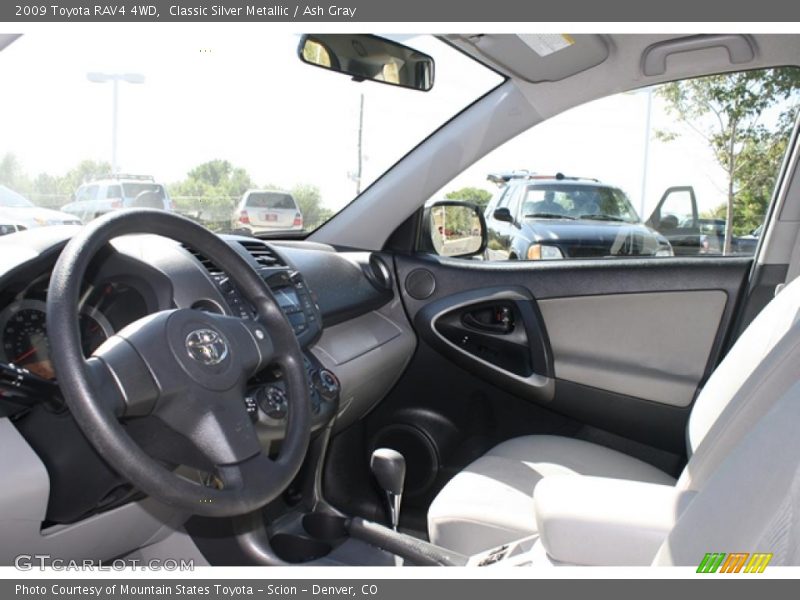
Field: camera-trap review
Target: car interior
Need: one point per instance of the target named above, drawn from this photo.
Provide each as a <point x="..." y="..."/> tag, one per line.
<point x="350" y="397"/>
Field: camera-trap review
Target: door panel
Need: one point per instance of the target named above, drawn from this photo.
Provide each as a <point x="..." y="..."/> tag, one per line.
<point x="641" y="331"/>
<point x="496" y="333"/>
<point x="649" y="346"/>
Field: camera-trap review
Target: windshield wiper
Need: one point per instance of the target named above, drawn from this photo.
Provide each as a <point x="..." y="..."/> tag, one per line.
<point x="548" y="216"/>
<point x="603" y="218"/>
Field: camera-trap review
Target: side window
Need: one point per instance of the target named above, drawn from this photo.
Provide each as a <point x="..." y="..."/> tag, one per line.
<point x="114" y="191"/>
<point x="505" y="197"/>
<point x="87" y="192"/>
<point x="686" y="168"/>
<point x="678" y="208"/>
<point x="512" y="198"/>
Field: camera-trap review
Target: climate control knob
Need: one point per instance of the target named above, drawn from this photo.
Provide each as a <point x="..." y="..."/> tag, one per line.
<point x="328" y="384"/>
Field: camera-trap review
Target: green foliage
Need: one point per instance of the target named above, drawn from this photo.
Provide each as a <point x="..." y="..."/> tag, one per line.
<point x="211" y="191"/>
<point x="759" y="165"/>
<point x="47" y="190"/>
<point x="208" y="194"/>
<point x="732" y="113"/>
<point x="310" y="203"/>
<point x="216" y="182"/>
<point x="11" y="174"/>
<point x="718" y="212"/>
<point x="471" y="194"/>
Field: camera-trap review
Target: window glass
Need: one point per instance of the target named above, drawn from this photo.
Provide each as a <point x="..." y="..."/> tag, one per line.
<point x="203" y="127"/>
<point x="88" y="192"/>
<point x="686" y="168"/>
<point x="270" y="200"/>
<point x="134" y="189"/>
<point x="678" y="204"/>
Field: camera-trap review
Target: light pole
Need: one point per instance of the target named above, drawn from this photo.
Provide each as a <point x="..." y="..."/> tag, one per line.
<point x="646" y="153"/>
<point x="114" y="78"/>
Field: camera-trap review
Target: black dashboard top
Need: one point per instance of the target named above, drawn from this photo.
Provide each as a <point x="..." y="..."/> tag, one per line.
<point x="316" y="285"/>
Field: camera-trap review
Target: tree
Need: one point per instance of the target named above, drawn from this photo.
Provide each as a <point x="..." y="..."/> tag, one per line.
<point x="210" y="191"/>
<point x="471" y="194"/>
<point x="727" y="111"/>
<point x="310" y="202"/>
<point x="760" y="161"/>
<point x="84" y="171"/>
<point x="46" y="189"/>
<point x="215" y="178"/>
<point x="11" y="174"/>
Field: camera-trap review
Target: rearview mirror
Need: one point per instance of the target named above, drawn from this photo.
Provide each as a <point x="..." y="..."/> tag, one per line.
<point x="455" y="229"/>
<point x="368" y="57"/>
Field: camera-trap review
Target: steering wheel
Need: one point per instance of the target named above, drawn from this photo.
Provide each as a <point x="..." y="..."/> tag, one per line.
<point x="187" y="368"/>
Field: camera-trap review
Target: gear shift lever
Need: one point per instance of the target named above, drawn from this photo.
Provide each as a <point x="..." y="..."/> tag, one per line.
<point x="389" y="468"/>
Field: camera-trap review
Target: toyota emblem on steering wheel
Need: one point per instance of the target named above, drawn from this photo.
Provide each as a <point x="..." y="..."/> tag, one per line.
<point x="206" y="346"/>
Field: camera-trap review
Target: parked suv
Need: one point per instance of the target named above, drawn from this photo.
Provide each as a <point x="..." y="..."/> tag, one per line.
<point x="102" y="196"/>
<point x="261" y="211"/>
<point x="541" y="217"/>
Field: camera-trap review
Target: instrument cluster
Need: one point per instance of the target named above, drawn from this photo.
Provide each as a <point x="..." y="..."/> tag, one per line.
<point x="105" y="309"/>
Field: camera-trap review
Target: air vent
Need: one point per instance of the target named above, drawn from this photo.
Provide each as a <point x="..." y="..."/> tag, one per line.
<point x="263" y="254"/>
<point x="207" y="264"/>
<point x="379" y="274"/>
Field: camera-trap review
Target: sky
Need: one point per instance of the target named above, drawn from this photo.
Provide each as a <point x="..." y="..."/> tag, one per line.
<point x="225" y="91"/>
<point x="239" y="93"/>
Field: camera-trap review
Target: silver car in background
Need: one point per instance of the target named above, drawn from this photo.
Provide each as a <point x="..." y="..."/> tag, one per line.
<point x="262" y="211"/>
<point x="17" y="213"/>
<point x="102" y="196"/>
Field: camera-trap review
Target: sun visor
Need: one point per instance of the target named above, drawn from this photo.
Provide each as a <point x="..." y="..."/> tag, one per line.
<point x="538" y="57"/>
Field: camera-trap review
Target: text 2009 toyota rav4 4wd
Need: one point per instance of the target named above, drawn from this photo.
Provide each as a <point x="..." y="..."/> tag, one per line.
<point x="371" y="389"/>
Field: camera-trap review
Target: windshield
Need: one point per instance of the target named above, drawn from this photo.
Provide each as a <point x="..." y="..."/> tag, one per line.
<point x="210" y="113"/>
<point x="270" y="200"/>
<point x="131" y="190"/>
<point x="11" y="199"/>
<point x="577" y="201"/>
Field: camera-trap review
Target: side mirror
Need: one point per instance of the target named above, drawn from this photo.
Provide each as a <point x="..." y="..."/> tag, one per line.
<point x="503" y="214"/>
<point x="453" y="229"/>
<point x="368" y="57"/>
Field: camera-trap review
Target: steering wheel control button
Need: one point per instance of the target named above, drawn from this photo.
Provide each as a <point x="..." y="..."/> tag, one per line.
<point x="260" y="334"/>
<point x="272" y="401"/>
<point x="251" y="406"/>
<point x="206" y="346"/>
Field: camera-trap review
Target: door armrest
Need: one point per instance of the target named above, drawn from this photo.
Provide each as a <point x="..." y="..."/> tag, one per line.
<point x="601" y="521"/>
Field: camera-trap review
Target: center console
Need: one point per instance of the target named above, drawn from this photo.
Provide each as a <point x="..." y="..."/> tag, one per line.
<point x="266" y="395"/>
<point x="267" y="403"/>
<point x="331" y="539"/>
<point x="291" y="293"/>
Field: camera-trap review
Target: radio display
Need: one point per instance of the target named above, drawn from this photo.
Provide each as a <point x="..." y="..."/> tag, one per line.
<point x="287" y="298"/>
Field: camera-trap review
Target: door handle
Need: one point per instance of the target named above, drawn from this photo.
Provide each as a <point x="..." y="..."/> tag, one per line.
<point x="497" y="320"/>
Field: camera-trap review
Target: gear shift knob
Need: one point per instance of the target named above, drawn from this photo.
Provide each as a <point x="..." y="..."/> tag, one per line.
<point x="389" y="468"/>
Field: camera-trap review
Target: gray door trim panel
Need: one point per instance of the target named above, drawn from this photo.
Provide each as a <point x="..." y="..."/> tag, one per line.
<point x="573" y="279"/>
<point x="649" y="346"/>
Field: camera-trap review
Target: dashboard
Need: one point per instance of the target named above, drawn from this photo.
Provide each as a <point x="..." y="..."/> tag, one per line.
<point x="343" y="307"/>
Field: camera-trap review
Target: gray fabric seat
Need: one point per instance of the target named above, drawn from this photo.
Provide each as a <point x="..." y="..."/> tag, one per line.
<point x="491" y="501"/>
